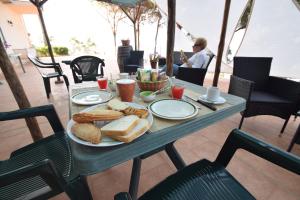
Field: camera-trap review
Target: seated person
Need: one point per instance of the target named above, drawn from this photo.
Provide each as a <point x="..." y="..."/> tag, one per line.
<point x="199" y="58"/>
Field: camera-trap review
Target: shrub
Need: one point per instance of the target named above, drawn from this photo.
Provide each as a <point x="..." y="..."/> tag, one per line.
<point x="42" y="51"/>
<point x="62" y="51"/>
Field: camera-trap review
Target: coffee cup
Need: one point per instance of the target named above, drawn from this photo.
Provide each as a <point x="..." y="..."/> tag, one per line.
<point x="212" y="94"/>
<point x="124" y="76"/>
<point x="126" y="89"/>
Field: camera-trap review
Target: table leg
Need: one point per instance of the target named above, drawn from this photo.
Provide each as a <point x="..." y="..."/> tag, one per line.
<point x="21" y="64"/>
<point x="174" y="156"/>
<point x="135" y="178"/>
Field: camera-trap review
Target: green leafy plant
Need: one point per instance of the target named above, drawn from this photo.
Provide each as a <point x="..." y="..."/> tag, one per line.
<point x="62" y="51"/>
<point x="42" y="51"/>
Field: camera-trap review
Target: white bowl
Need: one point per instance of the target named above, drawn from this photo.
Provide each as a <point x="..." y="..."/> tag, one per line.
<point x="147" y="98"/>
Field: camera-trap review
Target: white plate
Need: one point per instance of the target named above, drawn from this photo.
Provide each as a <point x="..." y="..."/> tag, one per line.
<point x="91" y="97"/>
<point x="173" y="109"/>
<point x="220" y="100"/>
<point x="106" y="141"/>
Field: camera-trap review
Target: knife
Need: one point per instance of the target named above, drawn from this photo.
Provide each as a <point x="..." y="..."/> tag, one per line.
<point x="208" y="105"/>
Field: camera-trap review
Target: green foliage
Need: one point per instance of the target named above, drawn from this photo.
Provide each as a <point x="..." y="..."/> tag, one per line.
<point x="42" y="51"/>
<point x="88" y="47"/>
<point x="62" y="51"/>
<point x="59" y="51"/>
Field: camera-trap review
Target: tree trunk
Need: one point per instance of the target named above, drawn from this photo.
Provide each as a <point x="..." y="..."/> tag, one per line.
<point x="135" y="36"/>
<point x="170" y="35"/>
<point x="221" y="43"/>
<point x="156" y="35"/>
<point x="18" y="92"/>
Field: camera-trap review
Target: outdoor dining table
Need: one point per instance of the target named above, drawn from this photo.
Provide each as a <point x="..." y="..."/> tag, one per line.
<point x="92" y="160"/>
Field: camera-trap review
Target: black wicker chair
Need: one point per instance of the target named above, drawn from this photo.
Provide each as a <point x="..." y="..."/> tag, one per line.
<point x="134" y="61"/>
<point x="194" y="75"/>
<point x="44" y="168"/>
<point x="267" y="95"/>
<point x="87" y="68"/>
<point x="210" y="180"/>
<point x="42" y="67"/>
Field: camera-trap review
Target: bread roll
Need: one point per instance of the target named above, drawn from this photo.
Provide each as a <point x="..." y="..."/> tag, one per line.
<point x="87" y="132"/>
<point x="97" y="115"/>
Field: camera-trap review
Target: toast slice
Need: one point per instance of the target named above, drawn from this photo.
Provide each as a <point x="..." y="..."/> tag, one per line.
<point x="120" y="126"/>
<point x="140" y="128"/>
<point x="116" y="104"/>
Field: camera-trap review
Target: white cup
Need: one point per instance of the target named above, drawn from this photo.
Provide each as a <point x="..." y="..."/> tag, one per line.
<point x="212" y="94"/>
<point x="124" y="76"/>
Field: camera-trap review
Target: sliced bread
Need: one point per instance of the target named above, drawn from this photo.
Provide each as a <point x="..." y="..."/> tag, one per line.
<point x="116" y="104"/>
<point x="120" y="126"/>
<point x="140" y="128"/>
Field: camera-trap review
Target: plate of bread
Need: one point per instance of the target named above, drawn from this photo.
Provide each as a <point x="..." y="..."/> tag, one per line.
<point x="109" y="124"/>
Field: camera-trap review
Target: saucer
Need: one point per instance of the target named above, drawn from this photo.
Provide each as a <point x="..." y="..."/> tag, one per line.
<point x="220" y="99"/>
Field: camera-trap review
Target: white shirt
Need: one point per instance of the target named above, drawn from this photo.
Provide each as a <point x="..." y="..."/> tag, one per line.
<point x="198" y="60"/>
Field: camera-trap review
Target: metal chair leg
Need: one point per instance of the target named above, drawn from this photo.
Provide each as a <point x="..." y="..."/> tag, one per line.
<point x="174" y="156"/>
<point x="283" y="127"/>
<point x="47" y="86"/>
<point x="135" y="178"/>
<point x="296" y="136"/>
<point x="66" y="81"/>
<point x="241" y="122"/>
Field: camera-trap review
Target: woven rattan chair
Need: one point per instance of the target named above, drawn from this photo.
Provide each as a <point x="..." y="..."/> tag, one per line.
<point x="42" y="67"/>
<point x="268" y="95"/>
<point x="210" y="180"/>
<point x="44" y="168"/>
<point x="195" y="75"/>
<point x="87" y="68"/>
<point x="134" y="61"/>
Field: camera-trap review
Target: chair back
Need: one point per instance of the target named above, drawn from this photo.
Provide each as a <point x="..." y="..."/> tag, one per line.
<point x="192" y="75"/>
<point x="135" y="58"/>
<point x="208" y="61"/>
<point x="256" y="69"/>
<point x="42" y="65"/>
<point x="87" y="68"/>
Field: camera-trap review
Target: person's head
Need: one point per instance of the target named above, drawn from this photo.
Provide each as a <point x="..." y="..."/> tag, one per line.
<point x="199" y="44"/>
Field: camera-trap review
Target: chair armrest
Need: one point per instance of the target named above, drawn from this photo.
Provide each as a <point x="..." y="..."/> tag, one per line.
<point x="47" y="110"/>
<point x="240" y="87"/>
<point x="122" y="196"/>
<point x="45" y="169"/>
<point x="285" y="88"/>
<point x="45" y="63"/>
<point x="240" y="140"/>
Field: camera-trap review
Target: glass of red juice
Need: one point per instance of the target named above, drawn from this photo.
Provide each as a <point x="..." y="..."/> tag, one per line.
<point x="102" y="82"/>
<point x="177" y="91"/>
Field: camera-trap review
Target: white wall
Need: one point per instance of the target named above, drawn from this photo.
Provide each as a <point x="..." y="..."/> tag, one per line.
<point x="15" y="34"/>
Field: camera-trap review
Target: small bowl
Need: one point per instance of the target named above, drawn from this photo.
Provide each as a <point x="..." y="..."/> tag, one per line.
<point x="147" y="96"/>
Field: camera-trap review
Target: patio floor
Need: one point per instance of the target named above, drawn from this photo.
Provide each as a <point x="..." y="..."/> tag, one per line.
<point x="262" y="179"/>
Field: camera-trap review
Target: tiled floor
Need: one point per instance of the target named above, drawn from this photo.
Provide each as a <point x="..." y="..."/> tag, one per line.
<point x="262" y="179"/>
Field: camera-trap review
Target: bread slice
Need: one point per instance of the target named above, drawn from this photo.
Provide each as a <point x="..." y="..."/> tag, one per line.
<point x="120" y="126"/>
<point x="116" y="104"/>
<point x="140" y="128"/>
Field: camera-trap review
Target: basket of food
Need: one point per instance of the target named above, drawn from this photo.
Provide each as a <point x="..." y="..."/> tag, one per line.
<point x="151" y="80"/>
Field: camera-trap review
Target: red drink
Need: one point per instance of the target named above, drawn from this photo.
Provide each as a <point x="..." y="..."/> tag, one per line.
<point x="177" y="92"/>
<point x="102" y="83"/>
